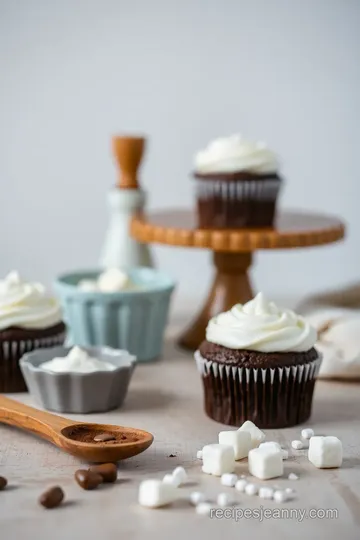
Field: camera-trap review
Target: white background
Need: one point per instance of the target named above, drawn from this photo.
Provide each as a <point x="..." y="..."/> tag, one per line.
<point x="74" y="72"/>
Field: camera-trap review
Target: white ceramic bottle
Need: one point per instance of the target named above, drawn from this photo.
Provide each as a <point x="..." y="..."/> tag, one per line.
<point x="120" y="249"/>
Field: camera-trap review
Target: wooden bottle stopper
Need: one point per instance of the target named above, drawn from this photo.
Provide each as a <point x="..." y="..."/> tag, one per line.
<point x="128" y="153"/>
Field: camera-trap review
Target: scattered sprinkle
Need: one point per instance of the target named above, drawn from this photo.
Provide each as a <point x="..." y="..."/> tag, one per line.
<point x="196" y="497"/>
<point x="223" y="499"/>
<point x="229" y="479"/>
<point x="266" y="492"/>
<point x="280" y="496"/>
<point x="240" y="484"/>
<point x="297" y="445"/>
<point x="307" y="433"/>
<point x="203" y="508"/>
<point x="251" y="489"/>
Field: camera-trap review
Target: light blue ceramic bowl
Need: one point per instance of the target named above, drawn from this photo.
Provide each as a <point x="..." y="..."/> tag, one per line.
<point x="134" y="320"/>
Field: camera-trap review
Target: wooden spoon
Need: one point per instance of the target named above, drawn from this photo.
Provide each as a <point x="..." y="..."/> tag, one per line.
<point x="76" y="438"/>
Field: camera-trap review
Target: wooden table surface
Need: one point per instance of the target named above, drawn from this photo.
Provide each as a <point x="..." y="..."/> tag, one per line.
<point x="166" y="399"/>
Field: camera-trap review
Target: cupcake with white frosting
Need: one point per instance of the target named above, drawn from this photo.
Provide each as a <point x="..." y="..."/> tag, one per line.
<point x="258" y="363"/>
<point x="237" y="184"/>
<point x="29" y="319"/>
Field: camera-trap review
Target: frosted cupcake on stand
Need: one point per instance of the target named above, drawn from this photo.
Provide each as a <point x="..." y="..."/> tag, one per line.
<point x="237" y="184"/>
<point x="258" y="363"/>
<point x="29" y="319"/>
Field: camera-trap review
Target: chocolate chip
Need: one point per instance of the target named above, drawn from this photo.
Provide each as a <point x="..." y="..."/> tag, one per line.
<point x="108" y="471"/>
<point x="104" y="437"/>
<point x="88" y="479"/>
<point x="52" y="497"/>
<point x="172" y="455"/>
<point x="3" y="483"/>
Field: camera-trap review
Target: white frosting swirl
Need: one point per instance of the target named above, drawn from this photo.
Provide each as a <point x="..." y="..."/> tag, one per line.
<point x="261" y="326"/>
<point x="26" y="305"/>
<point x="235" y="154"/>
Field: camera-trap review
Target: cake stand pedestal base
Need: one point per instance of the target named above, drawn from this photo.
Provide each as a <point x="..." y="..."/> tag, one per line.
<point x="231" y="285"/>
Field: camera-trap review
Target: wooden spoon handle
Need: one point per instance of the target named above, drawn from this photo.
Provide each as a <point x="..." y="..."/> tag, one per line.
<point x="43" y="424"/>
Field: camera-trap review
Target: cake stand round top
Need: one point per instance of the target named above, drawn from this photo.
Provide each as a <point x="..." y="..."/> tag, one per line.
<point x="292" y="229"/>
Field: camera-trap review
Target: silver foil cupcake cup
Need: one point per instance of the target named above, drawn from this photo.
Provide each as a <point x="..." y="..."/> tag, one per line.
<point x="271" y="397"/>
<point x="80" y="393"/>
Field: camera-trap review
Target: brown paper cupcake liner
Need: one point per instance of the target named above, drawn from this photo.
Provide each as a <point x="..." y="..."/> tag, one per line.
<point x="11" y="379"/>
<point x="238" y="203"/>
<point x="271" y="397"/>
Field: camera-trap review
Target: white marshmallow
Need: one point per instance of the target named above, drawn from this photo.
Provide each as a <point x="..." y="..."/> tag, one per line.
<point x="276" y="446"/>
<point x="289" y="491"/>
<point x="223" y="499"/>
<point x="218" y="459"/>
<point x="196" y="497"/>
<point x="257" y="436"/>
<point x="251" y="489"/>
<point x="293" y="476"/>
<point x="229" y="479"/>
<point x="199" y="454"/>
<point x="180" y="475"/>
<point x="266" y="492"/>
<point x="203" y="508"/>
<point x="307" y="433"/>
<point x="88" y="285"/>
<point x="171" y="480"/>
<point x="241" y="484"/>
<point x="239" y="440"/>
<point x="297" y="445"/>
<point x="265" y="463"/>
<point x="325" y="452"/>
<point x="280" y="496"/>
<point x="155" y="493"/>
<point x="270" y="444"/>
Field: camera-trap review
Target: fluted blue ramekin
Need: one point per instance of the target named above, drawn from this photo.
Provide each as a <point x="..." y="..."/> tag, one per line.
<point x="133" y="319"/>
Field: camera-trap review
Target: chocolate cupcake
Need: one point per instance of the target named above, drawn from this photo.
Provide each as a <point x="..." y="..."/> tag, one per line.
<point x="29" y="319"/>
<point x="237" y="184"/>
<point x="258" y="363"/>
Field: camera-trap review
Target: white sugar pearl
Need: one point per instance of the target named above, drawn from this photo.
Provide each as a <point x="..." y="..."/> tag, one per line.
<point x="223" y="499"/>
<point x="251" y="489"/>
<point x="229" y="479"/>
<point x="280" y="496"/>
<point x="266" y="492"/>
<point x="180" y="475"/>
<point x="307" y="433"/>
<point x="240" y="484"/>
<point x="289" y="491"/>
<point x="171" y="480"/>
<point x="196" y="497"/>
<point x="297" y="445"/>
<point x="199" y="454"/>
<point x="203" y="508"/>
<point x="293" y="476"/>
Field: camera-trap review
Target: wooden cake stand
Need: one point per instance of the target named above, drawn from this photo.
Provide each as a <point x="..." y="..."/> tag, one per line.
<point x="232" y="252"/>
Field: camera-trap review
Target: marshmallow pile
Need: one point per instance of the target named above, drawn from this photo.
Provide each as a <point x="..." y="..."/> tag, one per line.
<point x="265" y="461"/>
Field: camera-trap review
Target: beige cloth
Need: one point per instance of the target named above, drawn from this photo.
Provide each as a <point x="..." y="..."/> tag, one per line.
<point x="336" y="316"/>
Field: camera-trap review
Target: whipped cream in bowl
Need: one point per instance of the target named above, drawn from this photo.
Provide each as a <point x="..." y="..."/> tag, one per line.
<point x="78" y="379"/>
<point x="236" y="154"/>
